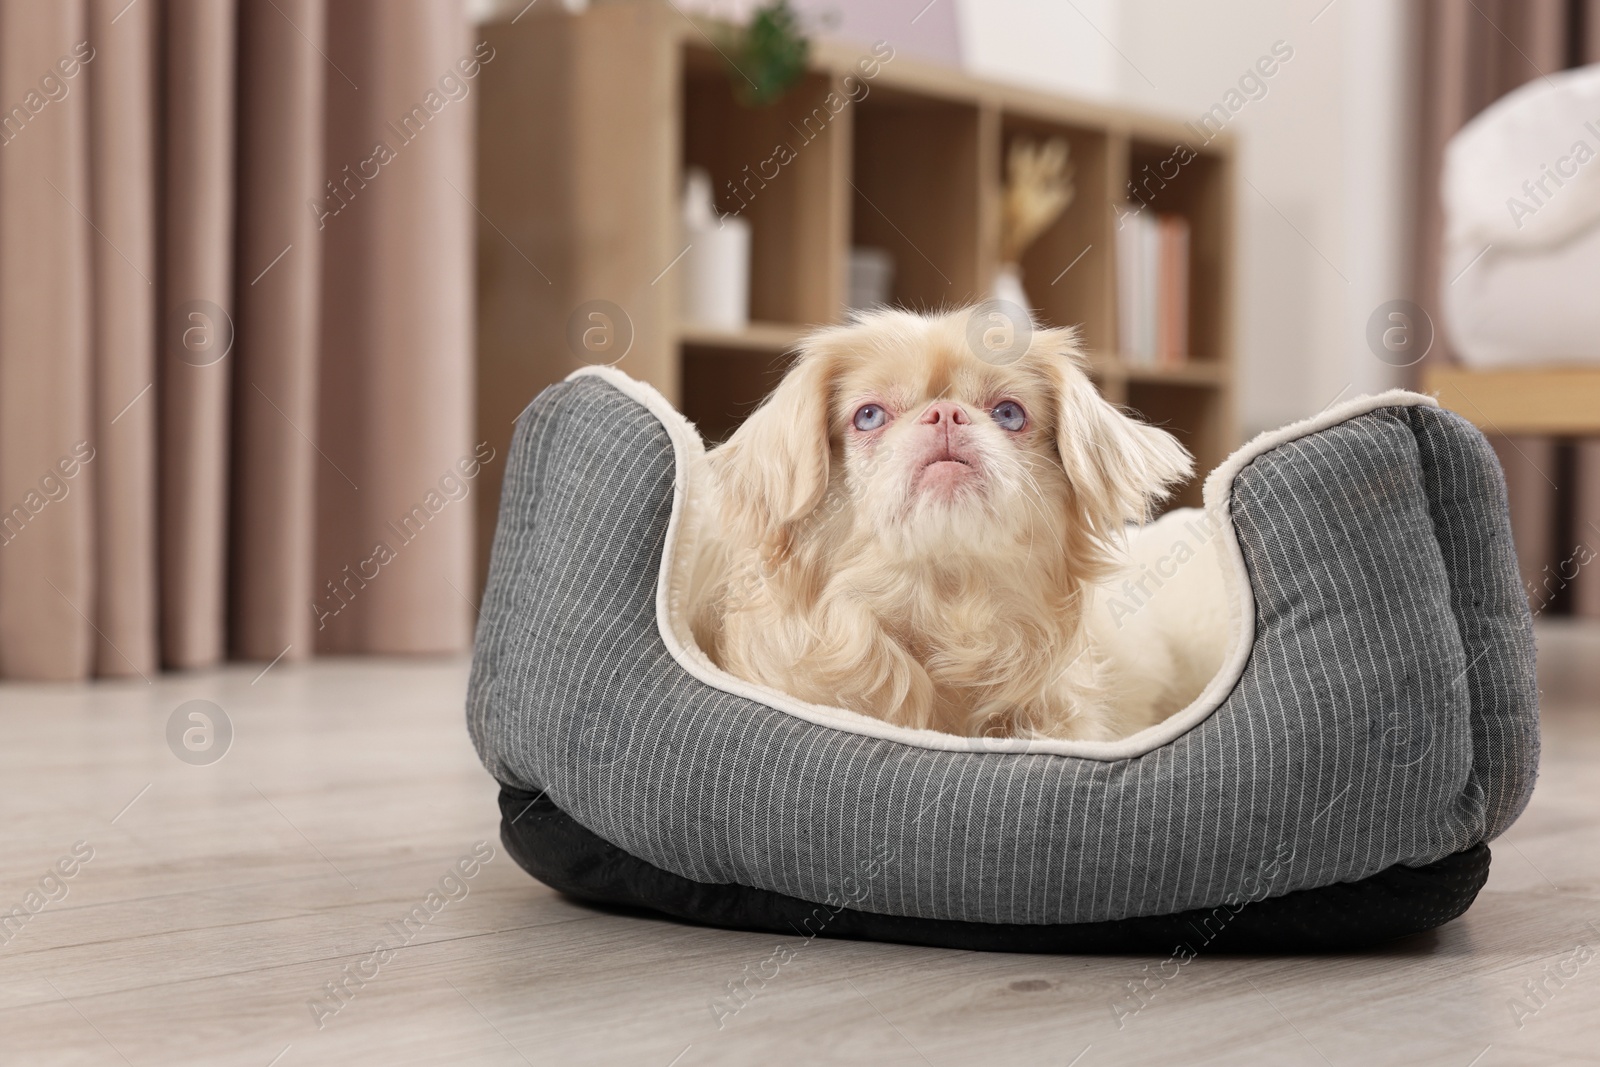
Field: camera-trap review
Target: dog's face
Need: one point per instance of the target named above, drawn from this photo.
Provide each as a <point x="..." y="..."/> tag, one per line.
<point x="898" y="427"/>
<point x="939" y="448"/>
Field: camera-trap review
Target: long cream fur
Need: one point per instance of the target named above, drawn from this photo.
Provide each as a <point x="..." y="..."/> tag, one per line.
<point x="937" y="571"/>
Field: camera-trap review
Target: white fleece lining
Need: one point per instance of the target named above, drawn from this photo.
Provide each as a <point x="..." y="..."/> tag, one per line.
<point x="689" y="483"/>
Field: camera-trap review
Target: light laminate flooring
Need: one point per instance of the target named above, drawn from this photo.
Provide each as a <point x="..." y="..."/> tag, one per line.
<point x="222" y="897"/>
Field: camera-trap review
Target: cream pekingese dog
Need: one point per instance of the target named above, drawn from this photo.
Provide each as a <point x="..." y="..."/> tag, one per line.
<point x="916" y="533"/>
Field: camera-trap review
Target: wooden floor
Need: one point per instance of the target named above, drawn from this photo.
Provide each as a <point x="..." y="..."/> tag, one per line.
<point x="221" y="899"/>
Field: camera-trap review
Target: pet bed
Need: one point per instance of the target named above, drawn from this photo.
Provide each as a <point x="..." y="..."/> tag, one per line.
<point x="1374" y="724"/>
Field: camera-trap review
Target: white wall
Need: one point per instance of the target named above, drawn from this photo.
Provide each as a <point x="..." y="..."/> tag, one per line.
<point x="1047" y="44"/>
<point x="1322" y="201"/>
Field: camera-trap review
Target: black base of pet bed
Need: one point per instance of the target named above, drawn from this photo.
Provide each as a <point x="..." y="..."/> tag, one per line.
<point x="550" y="845"/>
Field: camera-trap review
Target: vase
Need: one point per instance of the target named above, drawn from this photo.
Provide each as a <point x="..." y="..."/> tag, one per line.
<point x="1008" y="286"/>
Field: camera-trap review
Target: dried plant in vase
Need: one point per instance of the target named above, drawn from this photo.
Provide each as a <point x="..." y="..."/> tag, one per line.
<point x="1038" y="189"/>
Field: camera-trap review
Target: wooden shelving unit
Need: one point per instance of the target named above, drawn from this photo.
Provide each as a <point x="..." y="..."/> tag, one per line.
<point x="1558" y="401"/>
<point x="587" y="122"/>
<point x="769" y="337"/>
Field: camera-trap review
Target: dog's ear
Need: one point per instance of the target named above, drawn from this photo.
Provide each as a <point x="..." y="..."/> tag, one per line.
<point x="1118" y="467"/>
<point x="773" y="471"/>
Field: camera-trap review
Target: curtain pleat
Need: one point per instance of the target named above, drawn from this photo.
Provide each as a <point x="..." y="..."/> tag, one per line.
<point x="394" y="549"/>
<point x="47" y="436"/>
<point x="235" y="338"/>
<point x="1444" y="105"/>
<point x="1533" y="41"/>
<point x="123" y="256"/>
<point x="195" y="332"/>
<point x="281" y="100"/>
<point x="1586" y="594"/>
<point x="1530" y="467"/>
<point x="1586" y="550"/>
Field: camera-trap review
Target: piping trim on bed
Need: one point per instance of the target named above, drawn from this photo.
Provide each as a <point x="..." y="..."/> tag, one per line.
<point x="672" y="584"/>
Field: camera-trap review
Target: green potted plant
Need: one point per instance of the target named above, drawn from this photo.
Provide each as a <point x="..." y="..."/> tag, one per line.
<point x="767" y="56"/>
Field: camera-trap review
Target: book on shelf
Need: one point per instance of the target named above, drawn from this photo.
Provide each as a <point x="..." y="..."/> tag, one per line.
<point x="1152" y="288"/>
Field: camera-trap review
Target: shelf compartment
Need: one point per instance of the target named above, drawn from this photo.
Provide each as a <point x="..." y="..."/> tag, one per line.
<point x="776" y="166"/>
<point x="1066" y="272"/>
<point x="1176" y="179"/>
<point x="723" y="382"/>
<point x="1191" y="372"/>
<point x="1197" y="416"/>
<point x="770" y="337"/>
<point x="915" y="192"/>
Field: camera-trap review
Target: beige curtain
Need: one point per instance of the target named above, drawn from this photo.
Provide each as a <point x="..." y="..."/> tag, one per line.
<point x="1472" y="53"/>
<point x="235" y="344"/>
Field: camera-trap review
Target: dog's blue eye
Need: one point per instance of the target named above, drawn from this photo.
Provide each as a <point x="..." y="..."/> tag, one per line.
<point x="870" y="417"/>
<point x="1009" y="414"/>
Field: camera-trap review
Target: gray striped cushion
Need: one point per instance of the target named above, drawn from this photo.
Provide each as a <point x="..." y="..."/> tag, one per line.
<point x="1387" y="713"/>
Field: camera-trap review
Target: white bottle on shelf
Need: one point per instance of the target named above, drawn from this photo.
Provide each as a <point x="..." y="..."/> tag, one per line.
<point x="716" y="277"/>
